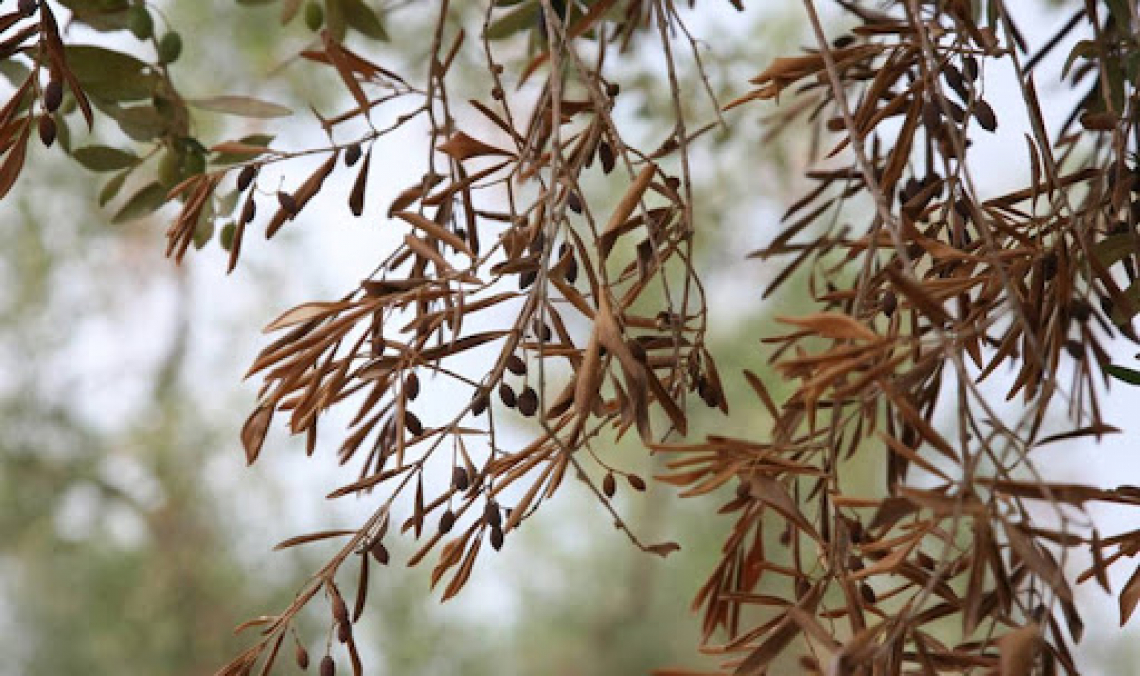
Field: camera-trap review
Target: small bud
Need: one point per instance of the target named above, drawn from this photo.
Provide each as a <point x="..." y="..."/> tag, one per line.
<point x="47" y="130"/>
<point x="53" y="95"/>
<point x="328" y="666"/>
<point x="954" y="78"/>
<point x="528" y="402"/>
<point x="343" y="632"/>
<point x="352" y="154"/>
<point x="412" y="386"/>
<point x="446" y="521"/>
<point x="339" y="609"/>
<point x="226" y="238"/>
<point x="245" y="178"/>
<point x="459" y="479"/>
<point x="572" y="270"/>
<point x="140" y="22"/>
<point x="248" y="211"/>
<point x="507" y="395"/>
<point x="479" y="404"/>
<point x="612" y="89"/>
<point x="609" y="485"/>
<point x="193" y="163"/>
<point x="287" y="202"/>
<point x="606" y="155"/>
<point x="413" y="424"/>
<point x="710" y="396"/>
<point x="1049" y="266"/>
<point x="491" y="513"/>
<point x="169" y="48"/>
<point x="636" y="482"/>
<point x="314" y="16"/>
<point x="963" y="208"/>
<point x="302" y="657"/>
<point x="985" y="115"/>
<point x="890" y="303"/>
<point x="1080" y="311"/>
<point x="516" y="365"/>
<point x="27" y="7"/>
<point x="926" y="561"/>
<point x="931" y="117"/>
<point x="379" y="552"/>
<point x="496" y="537"/>
<point x="970" y="67"/>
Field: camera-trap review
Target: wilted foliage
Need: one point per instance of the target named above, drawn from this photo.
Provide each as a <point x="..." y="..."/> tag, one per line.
<point x="924" y="283"/>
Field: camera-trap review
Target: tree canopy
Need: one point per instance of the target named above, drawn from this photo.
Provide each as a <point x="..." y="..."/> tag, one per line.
<point x="542" y="298"/>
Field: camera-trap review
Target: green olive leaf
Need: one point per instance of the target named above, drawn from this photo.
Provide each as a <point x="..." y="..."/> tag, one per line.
<point x="110" y="75"/>
<point x="144" y="202"/>
<point x="242" y="106"/>
<point x="1130" y="376"/>
<point x="105" y="158"/>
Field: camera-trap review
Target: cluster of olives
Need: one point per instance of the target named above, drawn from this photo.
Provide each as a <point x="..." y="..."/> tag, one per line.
<point x="141" y="25"/>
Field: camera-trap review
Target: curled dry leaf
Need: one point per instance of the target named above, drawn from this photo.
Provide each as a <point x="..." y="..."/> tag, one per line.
<point x="832" y="325"/>
<point x="463" y="147"/>
<point x="1019" y="649"/>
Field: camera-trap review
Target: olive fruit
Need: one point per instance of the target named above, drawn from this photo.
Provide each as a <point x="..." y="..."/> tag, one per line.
<point x="139" y="22"/>
<point x="170" y="169"/>
<point x="53" y="95"/>
<point x="47" y="130"/>
<point x="314" y="16"/>
<point x="169" y="48"/>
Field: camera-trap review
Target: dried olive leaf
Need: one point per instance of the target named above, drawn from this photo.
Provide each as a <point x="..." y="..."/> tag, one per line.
<point x="254" y="431"/>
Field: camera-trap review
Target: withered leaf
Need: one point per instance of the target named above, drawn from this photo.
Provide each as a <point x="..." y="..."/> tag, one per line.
<point x="773" y="493"/>
<point x="664" y="549"/>
<point x="306" y="312"/>
<point x="463" y="147"/>
<point x="311" y="537"/>
<point x="625" y="207"/>
<point x="832" y="325"/>
<point x="254" y="431"/>
<point x="356" y="197"/>
<point x="1019" y="650"/>
<point x="464" y="572"/>
<point x="14" y="162"/>
<point x="433" y="229"/>
<point x="1129" y="597"/>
